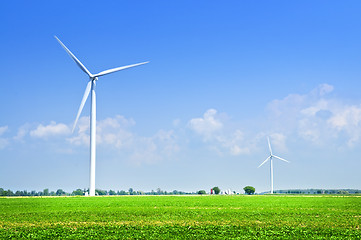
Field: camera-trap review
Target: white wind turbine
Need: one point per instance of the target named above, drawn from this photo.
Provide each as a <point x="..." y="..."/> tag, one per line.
<point x="270" y="157"/>
<point x="91" y="87"/>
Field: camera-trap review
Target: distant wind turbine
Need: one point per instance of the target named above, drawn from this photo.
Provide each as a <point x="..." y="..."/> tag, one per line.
<point x="270" y="157"/>
<point x="91" y="87"/>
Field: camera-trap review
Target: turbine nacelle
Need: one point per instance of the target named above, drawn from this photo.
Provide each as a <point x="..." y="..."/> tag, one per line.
<point x="271" y="155"/>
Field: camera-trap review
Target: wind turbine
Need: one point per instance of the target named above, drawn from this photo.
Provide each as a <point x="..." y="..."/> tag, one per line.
<point x="270" y="157"/>
<point x="91" y="88"/>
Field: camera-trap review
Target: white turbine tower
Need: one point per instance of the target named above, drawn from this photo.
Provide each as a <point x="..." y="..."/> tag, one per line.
<point x="91" y="87"/>
<point x="270" y="157"/>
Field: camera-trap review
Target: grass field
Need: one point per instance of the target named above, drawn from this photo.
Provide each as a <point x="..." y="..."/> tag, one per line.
<point x="181" y="217"/>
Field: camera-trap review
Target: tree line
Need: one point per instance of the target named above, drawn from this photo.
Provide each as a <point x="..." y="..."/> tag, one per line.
<point x="80" y="192"/>
<point x="131" y="191"/>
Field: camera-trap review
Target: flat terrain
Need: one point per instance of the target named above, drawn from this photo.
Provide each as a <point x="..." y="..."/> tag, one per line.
<point x="181" y="217"/>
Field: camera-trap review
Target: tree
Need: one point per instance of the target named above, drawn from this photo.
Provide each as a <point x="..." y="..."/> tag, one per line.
<point x="249" y="190"/>
<point x="201" y="192"/>
<point x="60" y="192"/>
<point x="100" y="192"/>
<point x="216" y="190"/>
<point x="159" y="191"/>
<point x="122" y="192"/>
<point x="342" y="192"/>
<point x="46" y="192"/>
<point x="78" y="192"/>
<point x="111" y="192"/>
<point x="8" y="193"/>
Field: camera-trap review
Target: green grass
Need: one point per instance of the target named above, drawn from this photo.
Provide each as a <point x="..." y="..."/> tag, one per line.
<point x="181" y="217"/>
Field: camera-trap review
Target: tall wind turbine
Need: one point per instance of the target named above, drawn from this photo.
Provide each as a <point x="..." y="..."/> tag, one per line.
<point x="270" y="157"/>
<point x="91" y="88"/>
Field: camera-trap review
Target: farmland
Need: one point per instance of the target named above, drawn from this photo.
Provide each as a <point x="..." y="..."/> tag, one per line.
<point x="182" y="217"/>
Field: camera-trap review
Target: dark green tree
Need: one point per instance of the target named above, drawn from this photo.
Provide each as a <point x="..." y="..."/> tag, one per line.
<point x="19" y="193"/>
<point x="216" y="190"/>
<point x="122" y="192"/>
<point x="249" y="190"/>
<point x="159" y="191"/>
<point x="201" y="192"/>
<point x="78" y="192"/>
<point x="46" y="192"/>
<point x="60" y="192"/>
<point x="8" y="193"/>
<point x="100" y="192"/>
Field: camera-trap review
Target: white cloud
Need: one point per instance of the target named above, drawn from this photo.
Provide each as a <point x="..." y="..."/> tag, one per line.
<point x="110" y="131"/>
<point x="115" y="135"/>
<point x="324" y="89"/>
<point x="176" y="122"/>
<point x="22" y="132"/>
<point x="82" y="135"/>
<point x="114" y="131"/>
<point x="347" y="117"/>
<point x="347" y="120"/>
<point x="312" y="110"/>
<point x="278" y="141"/>
<point x="234" y="144"/>
<point x="3" y="130"/>
<point x="53" y="129"/>
<point x="207" y="125"/>
<point x="317" y="117"/>
<point x="303" y="115"/>
<point x="218" y="135"/>
<point x="167" y="140"/>
<point x="162" y="146"/>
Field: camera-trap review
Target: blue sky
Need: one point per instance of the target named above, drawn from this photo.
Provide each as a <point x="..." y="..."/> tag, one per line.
<point x="221" y="78"/>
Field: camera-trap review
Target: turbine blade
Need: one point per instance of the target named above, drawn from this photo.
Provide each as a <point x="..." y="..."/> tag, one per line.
<point x="265" y="161"/>
<point x="117" y="69"/>
<point x="269" y="146"/>
<point x="85" y="96"/>
<point x="82" y="67"/>
<point x="281" y="158"/>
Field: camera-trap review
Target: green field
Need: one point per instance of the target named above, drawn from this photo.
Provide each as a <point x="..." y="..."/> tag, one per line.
<point x="181" y="217"/>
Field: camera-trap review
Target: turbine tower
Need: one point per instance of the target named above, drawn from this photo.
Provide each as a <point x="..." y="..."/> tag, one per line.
<point x="270" y="157"/>
<point x="91" y="88"/>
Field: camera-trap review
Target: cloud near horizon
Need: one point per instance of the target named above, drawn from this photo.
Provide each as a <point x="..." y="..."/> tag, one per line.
<point x="317" y="117"/>
<point x="207" y="125"/>
<point x="52" y="129"/>
<point x="314" y="117"/>
<point x="217" y="134"/>
<point x="116" y="135"/>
